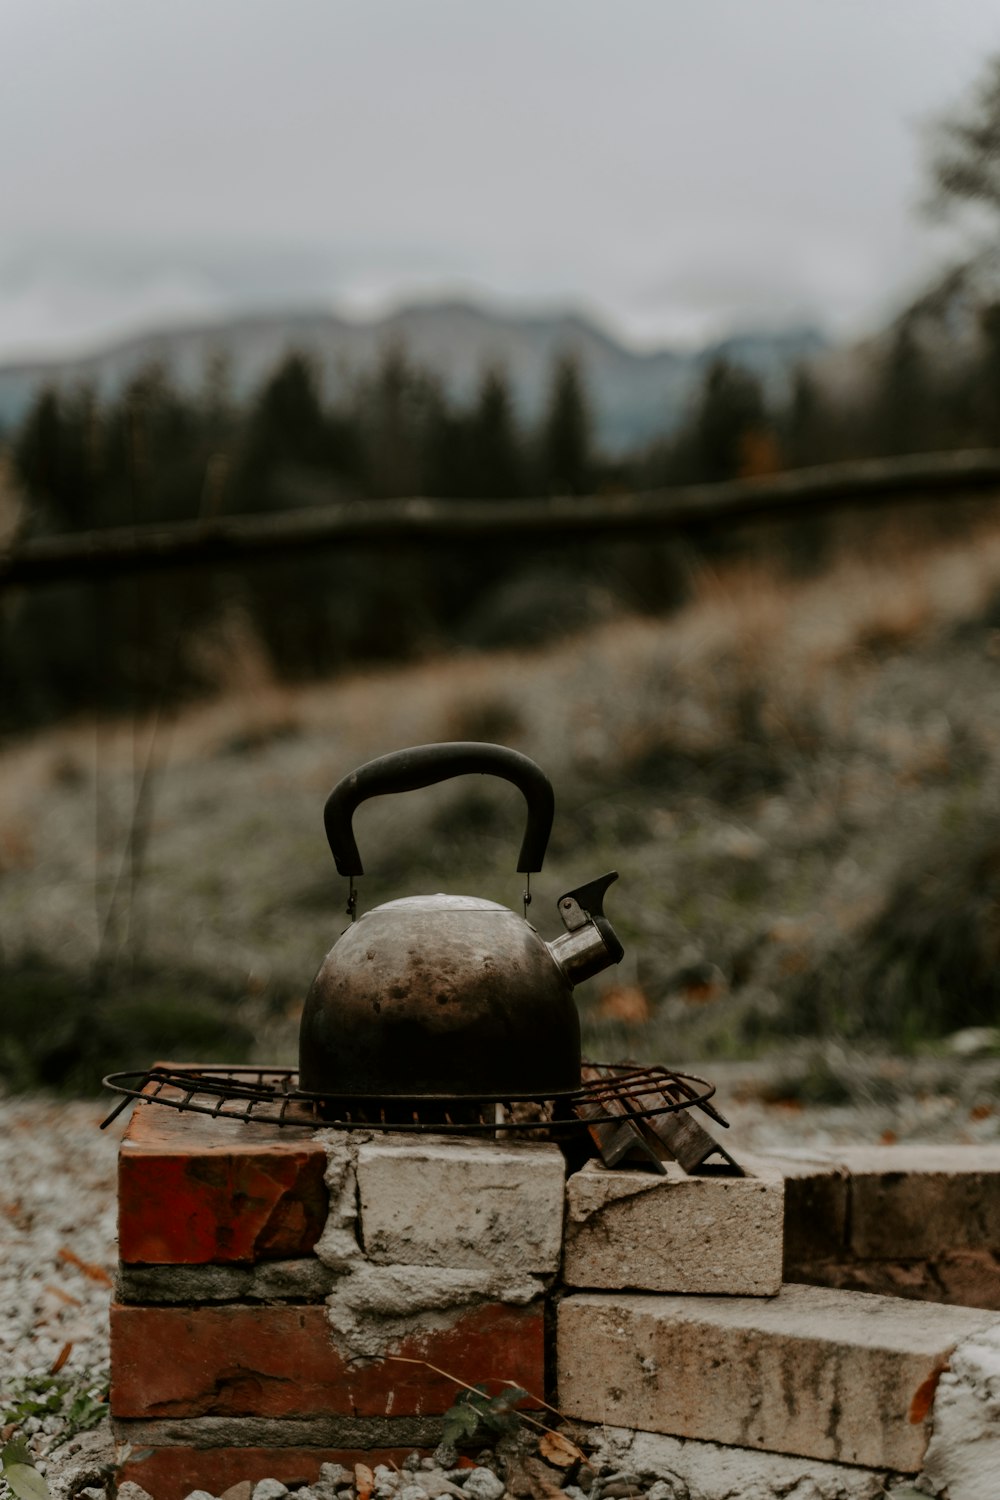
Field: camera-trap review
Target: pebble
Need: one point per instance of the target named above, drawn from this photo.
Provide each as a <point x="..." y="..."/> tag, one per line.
<point x="268" y="1489"/>
<point x="199" y="1495"/>
<point x="239" y="1491"/>
<point x="335" y="1476"/>
<point x="673" y="1488"/>
<point x="413" y="1492"/>
<point x="482" y="1484"/>
<point x="132" y="1491"/>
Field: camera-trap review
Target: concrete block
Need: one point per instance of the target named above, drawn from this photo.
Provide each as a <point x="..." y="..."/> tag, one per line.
<point x="838" y="1376"/>
<point x="439" y="1201"/>
<point x="674" y="1233"/>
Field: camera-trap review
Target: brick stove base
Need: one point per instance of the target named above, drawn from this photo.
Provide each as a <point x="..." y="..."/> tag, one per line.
<point x="282" y="1297"/>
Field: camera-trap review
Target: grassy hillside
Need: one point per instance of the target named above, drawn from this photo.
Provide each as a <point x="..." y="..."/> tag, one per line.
<point x="798" y="780"/>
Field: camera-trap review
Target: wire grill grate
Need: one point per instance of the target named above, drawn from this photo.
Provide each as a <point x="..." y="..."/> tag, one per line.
<point x="271" y="1096"/>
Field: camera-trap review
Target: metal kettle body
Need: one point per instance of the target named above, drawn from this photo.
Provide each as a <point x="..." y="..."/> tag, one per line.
<point x="450" y="995"/>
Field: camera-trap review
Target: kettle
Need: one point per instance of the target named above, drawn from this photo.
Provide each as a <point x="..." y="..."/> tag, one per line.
<point x="450" y="996"/>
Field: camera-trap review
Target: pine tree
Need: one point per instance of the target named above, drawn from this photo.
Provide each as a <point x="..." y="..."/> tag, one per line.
<point x="566" y="442"/>
<point x="494" y="442"/>
<point x="730" y="407"/>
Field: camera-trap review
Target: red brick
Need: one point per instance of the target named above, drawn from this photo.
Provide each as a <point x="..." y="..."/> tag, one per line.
<point x="280" y="1361"/>
<point x="172" y="1473"/>
<point x="192" y="1189"/>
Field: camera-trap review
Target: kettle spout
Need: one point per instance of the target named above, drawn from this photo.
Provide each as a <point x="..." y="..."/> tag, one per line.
<point x="589" y="943"/>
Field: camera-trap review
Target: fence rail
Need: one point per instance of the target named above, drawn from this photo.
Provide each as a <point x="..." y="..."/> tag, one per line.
<point x="229" y="540"/>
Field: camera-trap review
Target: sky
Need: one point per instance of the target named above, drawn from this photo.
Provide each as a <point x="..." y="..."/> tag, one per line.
<point x="675" y="168"/>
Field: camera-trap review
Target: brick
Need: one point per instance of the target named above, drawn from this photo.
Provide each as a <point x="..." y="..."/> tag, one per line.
<point x="916" y="1202"/>
<point x="172" y="1473"/>
<point x="193" y="1190"/>
<point x="674" y="1233"/>
<point x="281" y="1361"/>
<point x="461" y="1203"/>
<point x="838" y="1376"/>
<point x="965" y="1278"/>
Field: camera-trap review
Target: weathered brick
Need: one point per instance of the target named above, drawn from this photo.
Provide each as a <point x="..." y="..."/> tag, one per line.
<point x="917" y="1202"/>
<point x="921" y="1222"/>
<point x="965" y="1278"/>
<point x="172" y="1473"/>
<point x="674" y="1233"/>
<point x="462" y="1203"/>
<point x="836" y="1376"/>
<point x="281" y="1361"/>
<point x="193" y="1189"/>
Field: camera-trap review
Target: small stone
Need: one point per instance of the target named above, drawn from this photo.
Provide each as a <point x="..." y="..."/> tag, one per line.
<point x="483" y="1484"/>
<point x="434" y="1484"/>
<point x="586" y="1478"/>
<point x="672" y="1487"/>
<point x="269" y="1489"/>
<point x="574" y="1492"/>
<point x="93" y="1493"/>
<point x="445" y="1456"/>
<point x="241" y="1491"/>
<point x="335" y="1475"/>
<point x="413" y="1492"/>
<point x="132" y="1491"/>
<point x="621" y="1489"/>
<point x="197" y="1495"/>
<point x="413" y="1462"/>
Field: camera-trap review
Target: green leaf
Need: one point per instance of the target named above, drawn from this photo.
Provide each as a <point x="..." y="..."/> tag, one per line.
<point x="511" y="1395"/>
<point x="462" y="1421"/>
<point x="21" y="1474"/>
<point x="26" y="1482"/>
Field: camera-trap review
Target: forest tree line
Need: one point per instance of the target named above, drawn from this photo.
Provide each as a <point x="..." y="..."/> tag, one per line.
<point x="155" y="453"/>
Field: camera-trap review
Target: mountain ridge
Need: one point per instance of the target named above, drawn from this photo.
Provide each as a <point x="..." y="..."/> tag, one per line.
<point x="636" y="395"/>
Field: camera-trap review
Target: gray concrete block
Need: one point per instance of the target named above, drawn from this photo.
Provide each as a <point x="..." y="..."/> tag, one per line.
<point x="461" y="1203"/>
<point x="838" y="1376"/>
<point x="674" y="1233"/>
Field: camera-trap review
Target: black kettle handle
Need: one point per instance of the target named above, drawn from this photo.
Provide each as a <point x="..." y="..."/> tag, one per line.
<point x="423" y="765"/>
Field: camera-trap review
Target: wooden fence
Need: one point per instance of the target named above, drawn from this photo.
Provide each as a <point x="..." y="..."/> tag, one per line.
<point x="222" y="541"/>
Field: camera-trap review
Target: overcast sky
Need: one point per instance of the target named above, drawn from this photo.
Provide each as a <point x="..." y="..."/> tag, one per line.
<point x="677" y="167"/>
